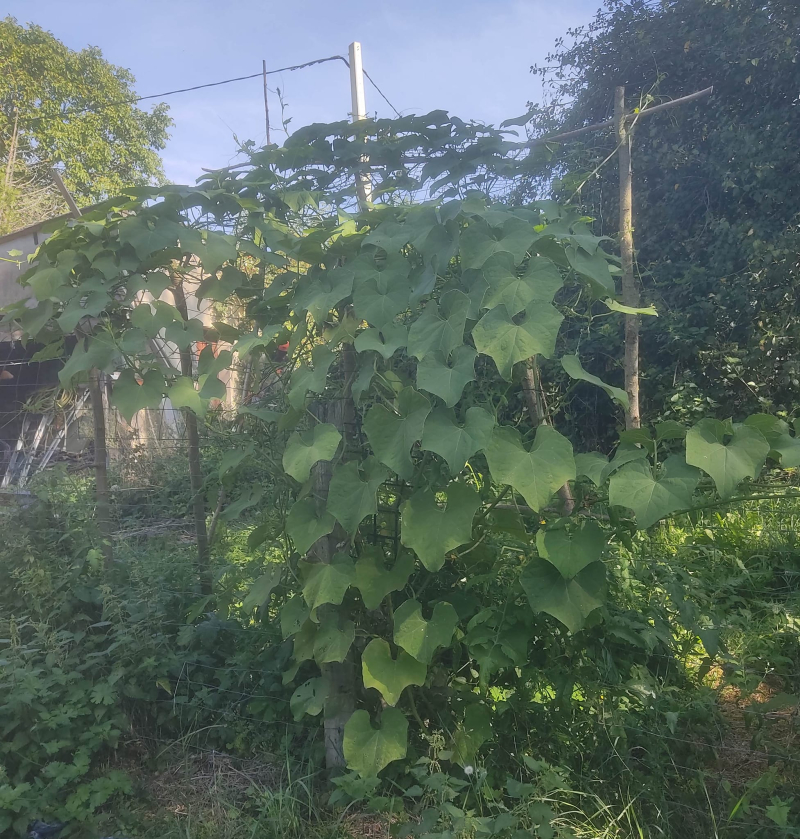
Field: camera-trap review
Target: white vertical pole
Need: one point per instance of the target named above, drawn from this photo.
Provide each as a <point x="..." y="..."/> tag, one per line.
<point x="359" y="111"/>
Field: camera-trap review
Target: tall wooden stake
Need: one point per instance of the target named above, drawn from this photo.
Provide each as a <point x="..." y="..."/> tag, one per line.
<point x="102" y="507"/>
<point x="193" y="453"/>
<point x="359" y="112"/>
<point x="630" y="289"/>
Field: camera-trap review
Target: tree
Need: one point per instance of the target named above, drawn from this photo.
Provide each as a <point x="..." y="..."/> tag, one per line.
<point x="410" y="327"/>
<point x="59" y="106"/>
<point x="716" y="204"/>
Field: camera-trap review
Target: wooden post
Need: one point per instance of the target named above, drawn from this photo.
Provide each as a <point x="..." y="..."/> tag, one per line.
<point x="102" y="509"/>
<point x="193" y="453"/>
<point x="630" y="289"/>
<point x="359" y="112"/>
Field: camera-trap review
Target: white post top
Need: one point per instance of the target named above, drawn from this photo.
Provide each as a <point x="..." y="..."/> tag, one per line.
<point x="359" y="104"/>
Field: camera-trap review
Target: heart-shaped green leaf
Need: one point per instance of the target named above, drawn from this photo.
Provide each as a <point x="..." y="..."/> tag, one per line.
<point x="479" y="242"/>
<point x="352" y="495"/>
<point x="367" y="750"/>
<point x="653" y="498"/>
<point x="321" y="290"/>
<point x="509" y="337"/>
<point x="783" y="446"/>
<point x="535" y="474"/>
<point x="392" y="433"/>
<point x="129" y="397"/>
<point x="333" y="639"/>
<point x="375" y="581"/>
<point x="385" y="341"/>
<point x="309" y="698"/>
<point x="262" y="588"/>
<point x="432" y="531"/>
<point x="390" y="675"/>
<point x="457" y="443"/>
<point x="304" y="449"/>
<point x="728" y="461"/>
<point x="505" y="287"/>
<point x="440" y="327"/>
<point x="571" y="551"/>
<point x="326" y="582"/>
<point x="380" y="295"/>
<point x="419" y="637"/>
<point x="569" y="600"/>
<point x="304" y="527"/>
<point x="447" y="377"/>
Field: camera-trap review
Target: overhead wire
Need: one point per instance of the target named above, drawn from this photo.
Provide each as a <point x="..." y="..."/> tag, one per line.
<point x="260" y="74"/>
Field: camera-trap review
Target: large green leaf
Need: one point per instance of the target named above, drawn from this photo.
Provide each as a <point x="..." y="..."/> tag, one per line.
<point x="380" y="295"/>
<point x="574" y="369"/>
<point x="571" y="551"/>
<point x="570" y="600"/>
<point x="304" y="449"/>
<point x="92" y="305"/>
<point x="390" y="676"/>
<point x="293" y="616"/>
<point x="472" y="733"/>
<point x="183" y="394"/>
<point x="454" y="442"/>
<point x="535" y="474"/>
<point x="509" y="337"/>
<point x="152" y="318"/>
<point x="783" y="446"/>
<point x="98" y="351"/>
<point x="129" y="396"/>
<point x="392" y="433"/>
<point x="309" y="698"/>
<point x="248" y="498"/>
<point x="304" y="527"/>
<point x="333" y="639"/>
<point x="594" y="269"/>
<point x="419" y="637"/>
<point x="148" y="236"/>
<point x="432" y="531"/>
<point x="447" y="377"/>
<point x="352" y="495"/>
<point x="385" y="341"/>
<point x="262" y="588"/>
<point x="593" y="466"/>
<point x="653" y="498"/>
<point x="374" y="580"/>
<point x="46" y="282"/>
<point x="479" y="242"/>
<point x="326" y="582"/>
<point x="321" y="290"/>
<point x="440" y="327"/>
<point x="367" y="750"/>
<point x="729" y="453"/>
<point x="183" y="334"/>
<point x="505" y="287"/>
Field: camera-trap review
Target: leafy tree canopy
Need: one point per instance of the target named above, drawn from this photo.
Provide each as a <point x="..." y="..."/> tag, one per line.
<point x="74" y="108"/>
<point x="716" y="204"/>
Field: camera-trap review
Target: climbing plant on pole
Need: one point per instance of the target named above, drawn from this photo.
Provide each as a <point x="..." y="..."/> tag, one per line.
<point x="410" y="326"/>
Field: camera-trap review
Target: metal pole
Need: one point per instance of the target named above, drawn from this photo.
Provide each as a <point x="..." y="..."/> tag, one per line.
<point x="359" y="112"/>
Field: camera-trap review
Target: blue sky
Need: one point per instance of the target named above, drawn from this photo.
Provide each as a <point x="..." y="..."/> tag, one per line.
<point x="470" y="57"/>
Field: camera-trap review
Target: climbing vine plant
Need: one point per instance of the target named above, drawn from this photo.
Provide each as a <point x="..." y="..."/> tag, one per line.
<point x="407" y="455"/>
